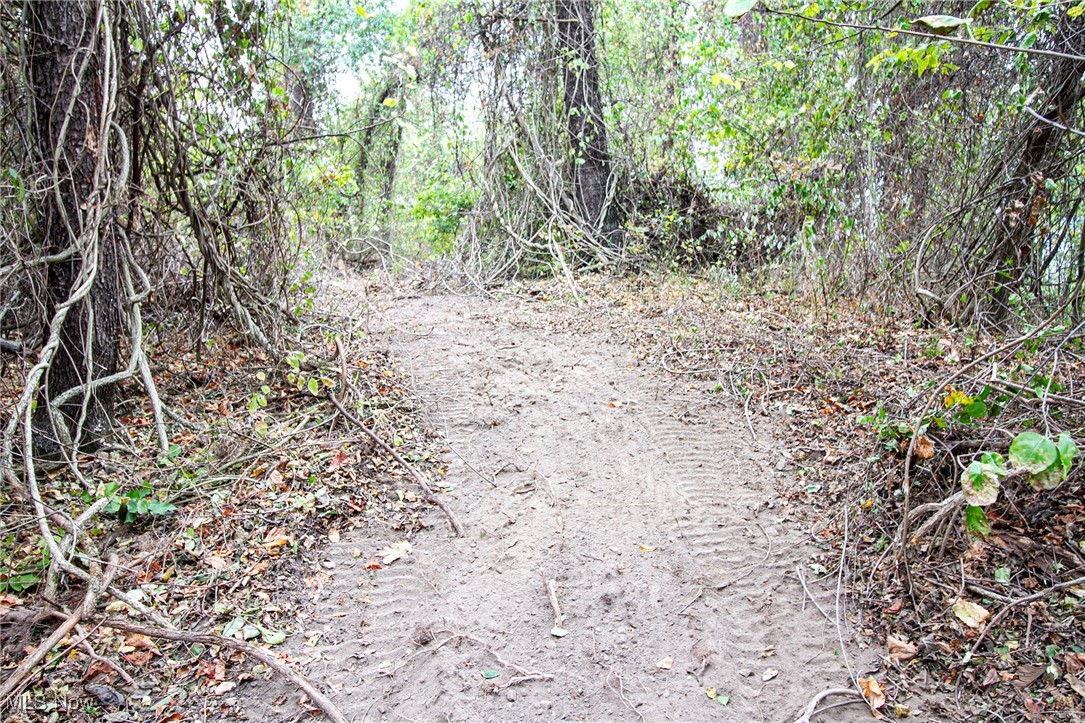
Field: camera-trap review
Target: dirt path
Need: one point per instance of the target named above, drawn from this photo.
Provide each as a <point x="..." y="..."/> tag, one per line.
<point x="649" y="507"/>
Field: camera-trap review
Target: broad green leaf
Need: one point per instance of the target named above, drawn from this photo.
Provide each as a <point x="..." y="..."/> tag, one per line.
<point x="941" y="24"/>
<point x="1002" y="575"/>
<point x="490" y="674"/>
<point x="980" y="484"/>
<point x="996" y="462"/>
<point x="980" y="7"/>
<point x="273" y="637"/>
<point x="975" y="520"/>
<point x="976" y="410"/>
<point x="314" y="386"/>
<point x="1033" y="451"/>
<point x="1049" y="479"/>
<point x="738" y="8"/>
<point x="1067" y="451"/>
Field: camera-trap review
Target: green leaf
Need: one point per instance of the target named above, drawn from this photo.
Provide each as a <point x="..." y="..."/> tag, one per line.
<point x="980" y="7"/>
<point x="975" y="519"/>
<point x="738" y="8"/>
<point x="490" y="674"/>
<point x="1049" y="479"/>
<point x="314" y="386"/>
<point x="1067" y="451"/>
<point x="1002" y="575"/>
<point x="976" y="410"/>
<point x="941" y="24"/>
<point x="980" y="484"/>
<point x="1033" y="451"/>
<point x="273" y="637"/>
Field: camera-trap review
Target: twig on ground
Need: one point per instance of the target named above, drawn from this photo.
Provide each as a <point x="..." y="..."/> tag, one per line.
<point x="23" y="670"/>
<point x="552" y="594"/>
<point x="418" y="476"/>
<point x="1019" y="601"/>
<point x="749" y="422"/>
<point x="264" y="656"/>
<point x="811" y="708"/>
<point x="808" y="594"/>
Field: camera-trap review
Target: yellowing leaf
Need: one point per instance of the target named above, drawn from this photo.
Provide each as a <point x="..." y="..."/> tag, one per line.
<point x="389" y="102"/>
<point x="646" y="548"/>
<point x="361" y="11"/>
<point x="970" y="613"/>
<point x="872" y="691"/>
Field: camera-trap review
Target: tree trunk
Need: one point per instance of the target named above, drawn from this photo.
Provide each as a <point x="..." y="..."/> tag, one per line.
<point x="584" y="113"/>
<point x="66" y="84"/>
<point x="1025" y="195"/>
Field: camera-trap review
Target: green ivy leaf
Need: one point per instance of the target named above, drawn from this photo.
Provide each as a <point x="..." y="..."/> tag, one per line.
<point x="975" y="519"/>
<point x="1067" y="451"/>
<point x="738" y="8"/>
<point x="1033" y="451"/>
<point x="980" y="484"/>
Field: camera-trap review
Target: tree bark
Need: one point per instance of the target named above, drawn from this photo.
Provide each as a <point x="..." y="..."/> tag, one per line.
<point x="592" y="166"/>
<point x="1024" y="195"/>
<point x="65" y="48"/>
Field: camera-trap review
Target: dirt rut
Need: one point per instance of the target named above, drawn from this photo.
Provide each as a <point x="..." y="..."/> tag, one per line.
<point x="649" y="506"/>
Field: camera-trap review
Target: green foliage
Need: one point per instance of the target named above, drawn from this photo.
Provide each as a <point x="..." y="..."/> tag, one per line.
<point x="137" y="503"/>
<point x="1046" y="463"/>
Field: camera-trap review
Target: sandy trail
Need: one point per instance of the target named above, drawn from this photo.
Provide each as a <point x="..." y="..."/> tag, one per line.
<point x="651" y="509"/>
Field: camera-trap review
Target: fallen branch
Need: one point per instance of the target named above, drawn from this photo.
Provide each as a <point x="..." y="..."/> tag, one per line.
<point x="260" y="654"/>
<point x="1019" y="601"/>
<point x="812" y="707"/>
<point x="418" y="476"/>
<point x="23" y="670"/>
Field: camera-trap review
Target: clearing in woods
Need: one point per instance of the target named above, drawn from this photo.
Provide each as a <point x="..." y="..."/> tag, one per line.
<point x="644" y="502"/>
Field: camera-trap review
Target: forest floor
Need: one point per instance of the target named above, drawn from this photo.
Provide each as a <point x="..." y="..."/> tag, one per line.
<point x="679" y="500"/>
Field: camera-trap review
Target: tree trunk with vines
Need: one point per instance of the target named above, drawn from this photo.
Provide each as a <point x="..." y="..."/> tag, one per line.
<point x="65" y="52"/>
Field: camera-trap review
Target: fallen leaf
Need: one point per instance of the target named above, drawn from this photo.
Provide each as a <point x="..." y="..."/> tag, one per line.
<point x="1028" y="674"/>
<point x="558" y="632"/>
<point x="215" y="562"/>
<point x="224" y="687"/>
<point x="647" y="548"/>
<point x="872" y="691"/>
<point x="333" y="535"/>
<point x="106" y="694"/>
<point x="490" y="674"/>
<point x="924" y="448"/>
<point x="768" y="652"/>
<point x="1073" y="662"/>
<point x="665" y="664"/>
<point x="894" y="607"/>
<point x="901" y="711"/>
<point x="395" y="551"/>
<point x="768" y="674"/>
<point x="900" y="649"/>
<point x="1077" y="684"/>
<point x="970" y="613"/>
<point x="710" y="692"/>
